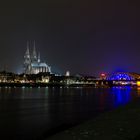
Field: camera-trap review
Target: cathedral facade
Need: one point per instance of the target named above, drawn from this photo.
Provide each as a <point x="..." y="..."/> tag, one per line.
<point x="32" y="62"/>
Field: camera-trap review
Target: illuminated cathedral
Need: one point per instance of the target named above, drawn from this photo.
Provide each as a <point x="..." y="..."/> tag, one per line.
<point x="32" y="62"/>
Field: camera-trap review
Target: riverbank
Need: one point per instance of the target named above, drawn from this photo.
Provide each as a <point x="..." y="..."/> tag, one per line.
<point x="120" y="124"/>
<point x="44" y="85"/>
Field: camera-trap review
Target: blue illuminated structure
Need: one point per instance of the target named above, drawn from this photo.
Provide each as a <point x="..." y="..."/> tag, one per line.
<point x="121" y="76"/>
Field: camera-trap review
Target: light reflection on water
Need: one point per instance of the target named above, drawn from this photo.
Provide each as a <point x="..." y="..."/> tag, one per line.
<point x="138" y="91"/>
<point x="34" y="111"/>
<point x="122" y="95"/>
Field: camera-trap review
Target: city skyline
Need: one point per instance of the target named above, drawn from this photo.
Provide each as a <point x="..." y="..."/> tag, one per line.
<point x="82" y="37"/>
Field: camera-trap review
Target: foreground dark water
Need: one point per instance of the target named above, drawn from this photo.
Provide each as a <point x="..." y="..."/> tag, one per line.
<point x="36" y="113"/>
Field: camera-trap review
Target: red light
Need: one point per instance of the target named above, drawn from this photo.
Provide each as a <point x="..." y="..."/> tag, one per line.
<point x="103" y="74"/>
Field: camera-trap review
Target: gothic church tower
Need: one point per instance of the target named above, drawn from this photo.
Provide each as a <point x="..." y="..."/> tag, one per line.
<point x="27" y="60"/>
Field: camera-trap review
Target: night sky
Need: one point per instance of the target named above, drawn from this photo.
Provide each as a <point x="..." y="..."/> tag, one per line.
<point x="86" y="37"/>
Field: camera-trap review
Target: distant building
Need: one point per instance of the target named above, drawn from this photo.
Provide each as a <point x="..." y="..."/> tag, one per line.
<point x="103" y="76"/>
<point x="32" y="62"/>
<point x="67" y="73"/>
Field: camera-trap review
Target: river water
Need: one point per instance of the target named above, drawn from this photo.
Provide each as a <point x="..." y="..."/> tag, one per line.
<point x="36" y="113"/>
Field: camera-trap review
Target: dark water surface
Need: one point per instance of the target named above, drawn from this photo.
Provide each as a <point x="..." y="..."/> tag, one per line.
<point x="35" y="113"/>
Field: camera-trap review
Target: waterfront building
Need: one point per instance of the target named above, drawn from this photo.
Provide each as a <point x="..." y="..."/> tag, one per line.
<point x="32" y="62"/>
<point x="67" y="73"/>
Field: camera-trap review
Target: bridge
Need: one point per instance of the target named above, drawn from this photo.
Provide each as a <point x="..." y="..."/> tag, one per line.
<point x="124" y="78"/>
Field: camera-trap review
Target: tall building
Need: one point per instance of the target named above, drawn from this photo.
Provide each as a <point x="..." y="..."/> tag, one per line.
<point x="32" y="62"/>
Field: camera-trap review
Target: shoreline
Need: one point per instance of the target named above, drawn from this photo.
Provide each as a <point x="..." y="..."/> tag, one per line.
<point x="24" y="85"/>
<point x="44" y="85"/>
<point x="119" y="124"/>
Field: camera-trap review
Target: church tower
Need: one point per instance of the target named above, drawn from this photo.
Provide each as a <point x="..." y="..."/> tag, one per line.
<point x="34" y="54"/>
<point x="32" y="63"/>
<point x="27" y="59"/>
<point x="38" y="59"/>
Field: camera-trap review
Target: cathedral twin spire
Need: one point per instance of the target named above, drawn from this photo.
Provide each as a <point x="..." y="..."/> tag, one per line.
<point x="27" y="54"/>
<point x="32" y="63"/>
<point x="33" y="57"/>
